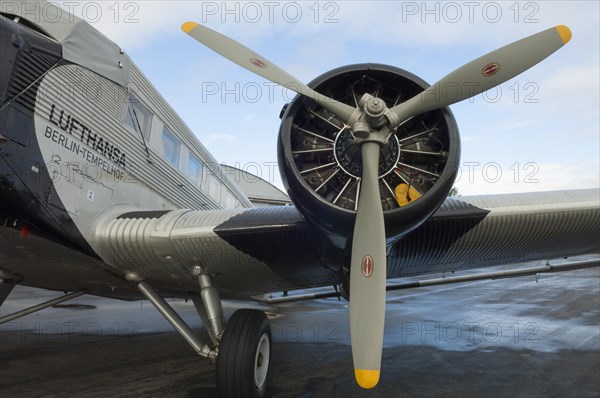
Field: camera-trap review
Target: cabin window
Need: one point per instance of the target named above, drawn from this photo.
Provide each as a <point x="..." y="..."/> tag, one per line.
<point x="194" y="170"/>
<point x="138" y="117"/>
<point x="229" y="200"/>
<point x="171" y="147"/>
<point x="213" y="188"/>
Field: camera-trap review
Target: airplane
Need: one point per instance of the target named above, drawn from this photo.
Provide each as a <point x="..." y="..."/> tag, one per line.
<point x="105" y="191"/>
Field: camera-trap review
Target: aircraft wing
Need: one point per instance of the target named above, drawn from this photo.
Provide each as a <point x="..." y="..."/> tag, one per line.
<point x="259" y="250"/>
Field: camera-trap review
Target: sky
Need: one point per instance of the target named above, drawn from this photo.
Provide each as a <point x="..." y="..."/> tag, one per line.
<point x="539" y="131"/>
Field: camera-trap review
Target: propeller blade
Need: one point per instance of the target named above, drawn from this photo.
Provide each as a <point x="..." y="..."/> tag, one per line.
<point x="248" y="59"/>
<point x="368" y="274"/>
<point x="483" y="73"/>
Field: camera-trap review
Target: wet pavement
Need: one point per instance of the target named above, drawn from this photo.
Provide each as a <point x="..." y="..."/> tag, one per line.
<point x="502" y="338"/>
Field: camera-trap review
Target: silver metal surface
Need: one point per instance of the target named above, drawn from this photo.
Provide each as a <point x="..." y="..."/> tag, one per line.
<point x="201" y="310"/>
<point x="174" y="319"/>
<point x="212" y="304"/>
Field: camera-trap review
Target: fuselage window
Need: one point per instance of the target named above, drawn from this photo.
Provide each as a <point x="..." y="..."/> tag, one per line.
<point x="171" y="147"/>
<point x="229" y="200"/>
<point x="194" y="170"/>
<point x="213" y="188"/>
<point x="138" y="117"/>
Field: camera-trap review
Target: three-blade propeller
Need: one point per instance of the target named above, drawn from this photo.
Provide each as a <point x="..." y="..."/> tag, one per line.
<point x="482" y="74"/>
<point x="248" y="59"/>
<point x="368" y="265"/>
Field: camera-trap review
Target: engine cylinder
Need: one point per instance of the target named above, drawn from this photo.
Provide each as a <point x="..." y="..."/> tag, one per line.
<point x="321" y="164"/>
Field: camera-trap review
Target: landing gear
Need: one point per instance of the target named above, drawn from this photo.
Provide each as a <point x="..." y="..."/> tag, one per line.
<point x="242" y="350"/>
<point x="244" y="355"/>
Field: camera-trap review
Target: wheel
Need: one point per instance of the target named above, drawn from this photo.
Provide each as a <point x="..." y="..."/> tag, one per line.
<point x="244" y="355"/>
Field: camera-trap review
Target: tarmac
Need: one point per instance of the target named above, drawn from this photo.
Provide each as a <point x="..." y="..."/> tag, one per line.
<point x="523" y="337"/>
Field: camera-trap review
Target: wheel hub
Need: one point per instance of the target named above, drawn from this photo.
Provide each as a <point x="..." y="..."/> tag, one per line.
<point x="261" y="361"/>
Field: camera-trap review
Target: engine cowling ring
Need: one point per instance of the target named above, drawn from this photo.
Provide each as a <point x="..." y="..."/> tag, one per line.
<point x="320" y="163"/>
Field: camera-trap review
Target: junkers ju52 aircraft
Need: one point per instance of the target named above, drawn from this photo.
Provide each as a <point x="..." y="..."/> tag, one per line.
<point x="107" y="177"/>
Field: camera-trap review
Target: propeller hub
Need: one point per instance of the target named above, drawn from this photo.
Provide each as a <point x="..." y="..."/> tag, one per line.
<point x="375" y="107"/>
<point x="369" y="116"/>
<point x="348" y="155"/>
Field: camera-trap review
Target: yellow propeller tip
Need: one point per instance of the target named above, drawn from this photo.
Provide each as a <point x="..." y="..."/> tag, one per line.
<point x="186" y="27"/>
<point x="366" y="378"/>
<point x="565" y="33"/>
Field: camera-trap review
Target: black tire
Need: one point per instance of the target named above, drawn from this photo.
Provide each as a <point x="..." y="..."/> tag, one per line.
<point x="242" y="370"/>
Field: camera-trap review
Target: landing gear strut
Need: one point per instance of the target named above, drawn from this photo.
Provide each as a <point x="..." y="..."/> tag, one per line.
<point x="242" y="349"/>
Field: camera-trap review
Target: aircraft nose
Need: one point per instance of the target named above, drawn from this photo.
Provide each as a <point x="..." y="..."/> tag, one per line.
<point x="27" y="54"/>
<point x="11" y="41"/>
